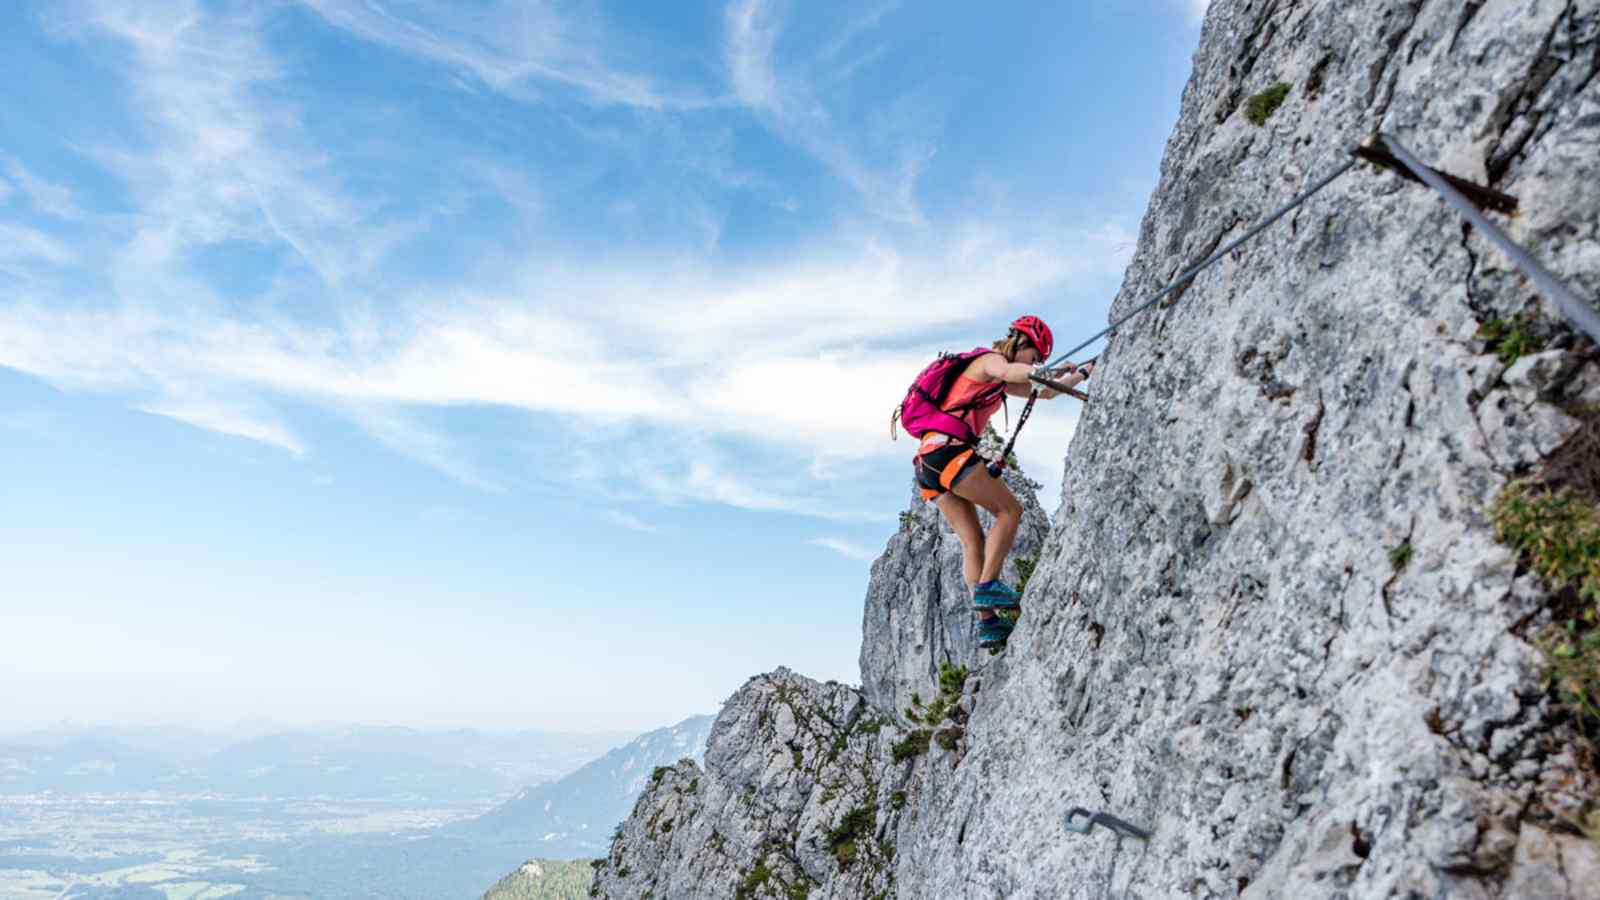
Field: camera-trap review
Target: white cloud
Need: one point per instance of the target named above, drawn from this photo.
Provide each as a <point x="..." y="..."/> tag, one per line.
<point x="843" y="548"/>
<point x="532" y="340"/>
<point x="1196" y="9"/>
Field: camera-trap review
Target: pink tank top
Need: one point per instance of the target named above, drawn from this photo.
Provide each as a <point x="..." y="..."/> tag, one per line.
<point x="962" y="392"/>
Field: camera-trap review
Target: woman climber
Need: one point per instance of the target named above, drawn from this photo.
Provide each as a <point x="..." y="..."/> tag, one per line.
<point x="947" y="408"/>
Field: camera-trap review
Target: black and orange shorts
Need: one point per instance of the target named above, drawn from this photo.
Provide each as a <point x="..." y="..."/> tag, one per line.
<point x="939" y="469"/>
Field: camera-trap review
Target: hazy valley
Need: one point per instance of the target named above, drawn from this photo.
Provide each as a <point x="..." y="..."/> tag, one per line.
<point x="353" y="812"/>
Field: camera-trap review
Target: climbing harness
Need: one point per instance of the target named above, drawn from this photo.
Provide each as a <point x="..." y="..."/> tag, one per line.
<point x="1112" y="822"/>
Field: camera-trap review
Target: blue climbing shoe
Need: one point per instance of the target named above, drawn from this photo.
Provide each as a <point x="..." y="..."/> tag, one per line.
<point x="995" y="595"/>
<point x="993" y="632"/>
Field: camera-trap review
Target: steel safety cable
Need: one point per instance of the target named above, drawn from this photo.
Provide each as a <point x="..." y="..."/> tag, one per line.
<point x="1581" y="313"/>
<point x="1189" y="275"/>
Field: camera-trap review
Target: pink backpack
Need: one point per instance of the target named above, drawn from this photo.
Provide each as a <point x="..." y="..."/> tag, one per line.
<point x="920" y="412"/>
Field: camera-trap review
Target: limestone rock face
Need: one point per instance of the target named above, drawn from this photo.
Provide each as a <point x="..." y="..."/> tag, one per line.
<point x="1270" y="621"/>
<point x="797" y="799"/>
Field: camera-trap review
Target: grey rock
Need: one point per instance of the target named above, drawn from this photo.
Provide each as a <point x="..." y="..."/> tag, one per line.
<point x="1541" y="376"/>
<point x="798" y="798"/>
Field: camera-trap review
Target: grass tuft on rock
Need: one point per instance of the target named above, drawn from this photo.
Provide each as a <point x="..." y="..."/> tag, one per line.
<point x="1261" y="107"/>
<point x="1510" y="339"/>
<point x="1400" y="556"/>
<point x="1557" y="533"/>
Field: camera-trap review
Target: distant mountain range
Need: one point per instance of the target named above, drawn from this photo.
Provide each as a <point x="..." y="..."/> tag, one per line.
<point x="355" y="761"/>
<point x="571" y="818"/>
<point x="575" y="815"/>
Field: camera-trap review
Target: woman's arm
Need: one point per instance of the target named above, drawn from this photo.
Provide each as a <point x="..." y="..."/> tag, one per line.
<point x="993" y="367"/>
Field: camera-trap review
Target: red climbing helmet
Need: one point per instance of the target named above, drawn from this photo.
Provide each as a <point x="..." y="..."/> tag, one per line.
<point x="1037" y="333"/>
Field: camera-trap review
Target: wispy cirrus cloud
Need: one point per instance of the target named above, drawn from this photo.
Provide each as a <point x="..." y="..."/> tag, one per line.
<point x="630" y="522"/>
<point x="844" y="548"/>
<point x="223" y="418"/>
<point x="882" y="164"/>
<point x="519" y="48"/>
<point x="47" y="197"/>
<point x="21" y="243"/>
<point x="402" y="434"/>
<point x="224" y="160"/>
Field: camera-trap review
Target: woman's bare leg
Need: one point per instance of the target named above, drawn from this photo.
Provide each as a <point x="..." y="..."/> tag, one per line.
<point x="988" y="492"/>
<point x="963" y="518"/>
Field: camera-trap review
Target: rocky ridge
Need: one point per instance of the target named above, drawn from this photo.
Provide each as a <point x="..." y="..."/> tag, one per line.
<point x="574" y="815"/>
<point x="1271" y="621"/>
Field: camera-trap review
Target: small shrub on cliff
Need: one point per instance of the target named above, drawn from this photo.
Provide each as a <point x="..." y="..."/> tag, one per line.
<point x="1025" y="567"/>
<point x="1261" y="107"/>
<point x="754" y="880"/>
<point x="951" y="681"/>
<point x="856" y="824"/>
<point x="1510" y="339"/>
<point x="915" y="744"/>
<point x="1556" y="531"/>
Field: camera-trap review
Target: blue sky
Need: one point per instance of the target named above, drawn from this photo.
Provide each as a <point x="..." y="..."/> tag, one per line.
<point x="514" y="364"/>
